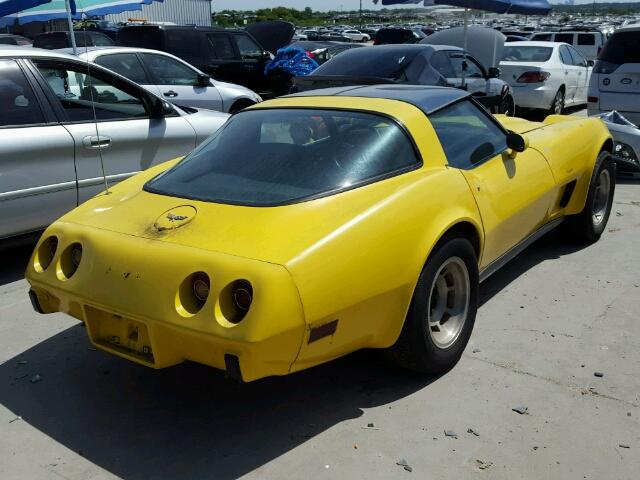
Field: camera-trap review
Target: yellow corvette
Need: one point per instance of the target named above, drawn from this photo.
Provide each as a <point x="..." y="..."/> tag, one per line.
<point x="314" y="225"/>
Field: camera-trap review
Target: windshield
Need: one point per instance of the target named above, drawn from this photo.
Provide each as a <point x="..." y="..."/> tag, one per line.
<point x="526" y="54"/>
<point x="277" y="156"/>
<point x="369" y="62"/>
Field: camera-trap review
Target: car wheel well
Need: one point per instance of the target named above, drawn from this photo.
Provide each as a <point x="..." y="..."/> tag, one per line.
<point x="240" y="104"/>
<point x="607" y="146"/>
<point x="465" y="230"/>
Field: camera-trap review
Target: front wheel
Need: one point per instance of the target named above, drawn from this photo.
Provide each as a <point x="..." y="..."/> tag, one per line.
<point x="442" y="311"/>
<point x="588" y="225"/>
<point x="507" y="106"/>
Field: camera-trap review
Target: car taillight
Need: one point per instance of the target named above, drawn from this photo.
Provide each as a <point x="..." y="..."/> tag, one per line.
<point x="310" y="54"/>
<point x="69" y="261"/>
<point x="533" y="77"/>
<point x="592" y="99"/>
<point x="242" y="295"/>
<point x="45" y="253"/>
<point x="201" y="287"/>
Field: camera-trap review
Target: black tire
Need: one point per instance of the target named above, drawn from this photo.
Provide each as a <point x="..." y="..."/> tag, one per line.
<point x="508" y="106"/>
<point x="557" y="105"/>
<point x="416" y="349"/>
<point x="588" y="225"/>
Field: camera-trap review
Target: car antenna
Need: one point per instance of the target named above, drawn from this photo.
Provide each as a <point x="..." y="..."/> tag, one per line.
<point x="95" y="118"/>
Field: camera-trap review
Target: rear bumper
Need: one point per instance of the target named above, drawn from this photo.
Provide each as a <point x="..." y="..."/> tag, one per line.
<point x="533" y="97"/>
<point x="126" y="291"/>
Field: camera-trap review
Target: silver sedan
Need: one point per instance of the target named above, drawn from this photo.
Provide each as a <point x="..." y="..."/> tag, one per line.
<point x="68" y="126"/>
<point x="166" y="75"/>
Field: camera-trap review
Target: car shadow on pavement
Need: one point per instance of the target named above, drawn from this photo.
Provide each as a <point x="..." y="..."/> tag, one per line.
<point x="188" y="421"/>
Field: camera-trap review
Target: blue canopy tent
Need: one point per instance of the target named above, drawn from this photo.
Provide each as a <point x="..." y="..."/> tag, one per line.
<point x="7" y="7"/>
<point x="26" y="11"/>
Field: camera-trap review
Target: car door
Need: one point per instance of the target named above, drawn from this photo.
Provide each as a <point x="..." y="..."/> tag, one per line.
<point x="178" y="82"/>
<point x="570" y="73"/>
<point x="113" y="132"/>
<point x="514" y="194"/>
<point x="252" y="61"/>
<point x="222" y="61"/>
<point x="37" y="174"/>
<point x="582" y="71"/>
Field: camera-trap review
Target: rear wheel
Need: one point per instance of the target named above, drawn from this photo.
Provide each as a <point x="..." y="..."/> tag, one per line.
<point x="442" y="311"/>
<point x="588" y="225"/>
<point x="507" y="106"/>
<point x="557" y="105"/>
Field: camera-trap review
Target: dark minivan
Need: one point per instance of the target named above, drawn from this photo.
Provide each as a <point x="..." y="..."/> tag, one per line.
<point x="237" y="56"/>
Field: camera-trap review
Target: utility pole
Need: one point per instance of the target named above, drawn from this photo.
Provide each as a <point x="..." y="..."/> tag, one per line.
<point x="360" y="13"/>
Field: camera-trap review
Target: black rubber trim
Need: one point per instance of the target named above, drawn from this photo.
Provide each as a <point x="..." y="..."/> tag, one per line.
<point x="232" y="368"/>
<point x="35" y="302"/>
<point x="568" y="191"/>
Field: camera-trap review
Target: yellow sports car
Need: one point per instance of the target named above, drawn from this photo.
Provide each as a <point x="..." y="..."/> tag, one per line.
<point x="314" y="225"/>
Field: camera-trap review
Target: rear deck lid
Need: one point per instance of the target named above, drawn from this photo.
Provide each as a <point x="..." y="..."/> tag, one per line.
<point x="272" y="35"/>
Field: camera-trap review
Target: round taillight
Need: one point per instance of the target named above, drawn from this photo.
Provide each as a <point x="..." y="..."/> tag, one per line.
<point x="70" y="260"/>
<point x="242" y="295"/>
<point x="201" y="287"/>
<point x="45" y="253"/>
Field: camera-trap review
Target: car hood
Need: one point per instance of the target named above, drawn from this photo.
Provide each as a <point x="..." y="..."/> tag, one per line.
<point x="272" y="35"/>
<point x="281" y="235"/>
<point x="484" y="44"/>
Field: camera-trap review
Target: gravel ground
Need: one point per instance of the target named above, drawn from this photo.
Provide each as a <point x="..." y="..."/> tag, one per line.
<point x="549" y="321"/>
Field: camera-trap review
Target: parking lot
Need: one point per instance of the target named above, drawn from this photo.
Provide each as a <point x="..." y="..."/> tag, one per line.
<point x="557" y="338"/>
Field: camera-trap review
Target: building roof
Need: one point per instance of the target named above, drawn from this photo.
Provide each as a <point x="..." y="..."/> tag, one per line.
<point x="426" y="98"/>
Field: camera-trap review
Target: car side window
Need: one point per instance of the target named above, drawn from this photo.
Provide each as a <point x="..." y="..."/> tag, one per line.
<point x="565" y="55"/>
<point x="456" y="59"/>
<point x="542" y="37"/>
<point x="577" y="58"/>
<point x="564" y="38"/>
<point x="168" y="71"/>
<point x="185" y="44"/>
<point x="440" y="61"/>
<point x="126" y="64"/>
<point x="80" y="94"/>
<point x="221" y="46"/>
<point x="19" y="104"/>
<point x="586" y="39"/>
<point x="248" y="48"/>
<point x="467" y="135"/>
<point x="473" y="69"/>
<point x="101" y="40"/>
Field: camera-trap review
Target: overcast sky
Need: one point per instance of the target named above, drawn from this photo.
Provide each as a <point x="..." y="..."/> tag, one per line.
<point x="316" y="4"/>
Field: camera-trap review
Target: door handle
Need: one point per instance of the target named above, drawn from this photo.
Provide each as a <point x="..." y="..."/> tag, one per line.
<point x="170" y="94"/>
<point x="96" y="141"/>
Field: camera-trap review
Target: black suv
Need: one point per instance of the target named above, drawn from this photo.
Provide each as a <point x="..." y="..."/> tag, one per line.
<point x="237" y="56"/>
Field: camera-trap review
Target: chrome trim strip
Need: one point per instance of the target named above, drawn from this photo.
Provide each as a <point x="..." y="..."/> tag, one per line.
<point x="90" y="182"/>
<point x="28" y="192"/>
<point x="500" y="262"/>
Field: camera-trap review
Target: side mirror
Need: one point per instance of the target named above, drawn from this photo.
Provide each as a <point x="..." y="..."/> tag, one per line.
<point x="204" y="80"/>
<point x="159" y="108"/>
<point x="590" y="63"/>
<point x="516" y="142"/>
<point x="493" y="72"/>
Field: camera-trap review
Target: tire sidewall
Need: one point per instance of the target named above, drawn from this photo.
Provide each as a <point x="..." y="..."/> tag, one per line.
<point x="604" y="161"/>
<point x="440" y="359"/>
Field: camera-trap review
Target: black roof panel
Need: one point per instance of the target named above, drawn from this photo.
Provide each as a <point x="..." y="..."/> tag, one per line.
<point x="426" y="98"/>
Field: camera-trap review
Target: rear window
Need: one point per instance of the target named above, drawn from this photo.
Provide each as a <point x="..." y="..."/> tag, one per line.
<point x="526" y="54"/>
<point x="542" y="37"/>
<point x="278" y="156"/>
<point x="393" y="36"/>
<point x="622" y="47"/>
<point x="51" y="41"/>
<point x="369" y="62"/>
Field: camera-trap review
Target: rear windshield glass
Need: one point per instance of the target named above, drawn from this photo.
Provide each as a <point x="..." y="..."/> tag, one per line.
<point x="526" y="54"/>
<point x="278" y="156"/>
<point x="369" y="62"/>
<point x="622" y="47"/>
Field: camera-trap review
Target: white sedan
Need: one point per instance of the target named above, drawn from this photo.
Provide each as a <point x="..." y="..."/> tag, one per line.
<point x="546" y="75"/>
<point x="356" y="35"/>
<point x="171" y="78"/>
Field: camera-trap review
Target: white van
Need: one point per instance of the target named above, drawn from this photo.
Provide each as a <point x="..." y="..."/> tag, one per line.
<point x="615" y="79"/>
<point x="588" y="43"/>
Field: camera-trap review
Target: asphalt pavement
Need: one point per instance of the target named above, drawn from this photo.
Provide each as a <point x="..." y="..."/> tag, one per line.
<point x="548" y="387"/>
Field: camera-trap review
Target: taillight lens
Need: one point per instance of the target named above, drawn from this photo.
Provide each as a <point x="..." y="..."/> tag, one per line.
<point x="69" y="261"/>
<point x="242" y="295"/>
<point x="592" y="99"/>
<point x="310" y="54"/>
<point x="45" y="253"/>
<point x="533" y="77"/>
<point x="201" y="286"/>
